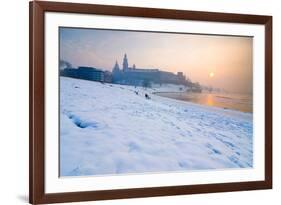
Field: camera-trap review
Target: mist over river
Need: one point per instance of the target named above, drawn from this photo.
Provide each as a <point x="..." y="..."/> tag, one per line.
<point x="233" y="101"/>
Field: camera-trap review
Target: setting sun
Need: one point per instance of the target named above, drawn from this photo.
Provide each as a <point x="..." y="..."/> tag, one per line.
<point x="211" y="74"/>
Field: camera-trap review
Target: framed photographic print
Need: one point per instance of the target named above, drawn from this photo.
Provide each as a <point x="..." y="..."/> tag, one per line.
<point x="139" y="102"/>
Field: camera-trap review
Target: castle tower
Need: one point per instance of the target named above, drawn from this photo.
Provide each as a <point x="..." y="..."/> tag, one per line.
<point x="116" y="67"/>
<point x="125" y="62"/>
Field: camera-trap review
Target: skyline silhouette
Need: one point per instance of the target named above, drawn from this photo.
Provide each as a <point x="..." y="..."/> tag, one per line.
<point x="217" y="61"/>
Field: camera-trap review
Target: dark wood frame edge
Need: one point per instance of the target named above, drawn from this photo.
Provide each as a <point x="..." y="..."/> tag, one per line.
<point x="37" y="194"/>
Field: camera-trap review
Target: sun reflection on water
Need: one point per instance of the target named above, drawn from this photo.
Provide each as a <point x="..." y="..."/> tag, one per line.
<point x="210" y="100"/>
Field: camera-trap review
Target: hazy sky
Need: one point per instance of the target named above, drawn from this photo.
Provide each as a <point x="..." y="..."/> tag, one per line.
<point x="228" y="58"/>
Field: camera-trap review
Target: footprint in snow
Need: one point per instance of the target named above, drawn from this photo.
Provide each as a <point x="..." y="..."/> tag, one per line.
<point x="81" y="123"/>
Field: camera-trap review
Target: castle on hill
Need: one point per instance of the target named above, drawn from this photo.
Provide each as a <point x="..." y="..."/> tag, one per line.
<point x="127" y="75"/>
<point x="140" y="76"/>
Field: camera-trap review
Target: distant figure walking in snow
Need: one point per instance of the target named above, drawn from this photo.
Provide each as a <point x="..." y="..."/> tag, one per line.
<point x="147" y="96"/>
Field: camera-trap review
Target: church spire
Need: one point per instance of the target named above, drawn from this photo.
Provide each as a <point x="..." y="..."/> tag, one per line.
<point x="125" y="62"/>
<point x="116" y="67"/>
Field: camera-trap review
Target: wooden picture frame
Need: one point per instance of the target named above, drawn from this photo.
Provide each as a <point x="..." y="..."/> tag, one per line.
<point x="37" y="10"/>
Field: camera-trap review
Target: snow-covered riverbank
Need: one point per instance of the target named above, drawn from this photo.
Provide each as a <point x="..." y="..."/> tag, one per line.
<point x="112" y="129"/>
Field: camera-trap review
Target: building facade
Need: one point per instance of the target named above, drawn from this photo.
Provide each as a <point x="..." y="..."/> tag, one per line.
<point x="85" y="73"/>
<point x="139" y="76"/>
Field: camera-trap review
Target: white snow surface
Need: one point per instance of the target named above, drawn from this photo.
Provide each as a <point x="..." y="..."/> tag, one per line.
<point x="109" y="129"/>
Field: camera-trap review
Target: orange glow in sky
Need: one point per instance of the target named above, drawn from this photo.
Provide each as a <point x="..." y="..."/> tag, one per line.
<point x="211" y="60"/>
